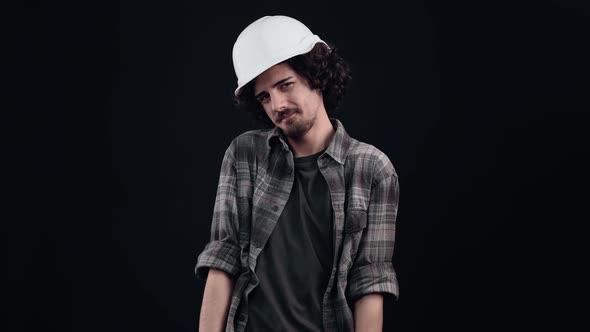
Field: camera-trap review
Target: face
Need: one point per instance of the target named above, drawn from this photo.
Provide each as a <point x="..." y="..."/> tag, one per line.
<point x="287" y="99"/>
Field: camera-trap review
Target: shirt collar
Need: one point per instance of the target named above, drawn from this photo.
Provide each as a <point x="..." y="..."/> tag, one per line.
<point x="338" y="148"/>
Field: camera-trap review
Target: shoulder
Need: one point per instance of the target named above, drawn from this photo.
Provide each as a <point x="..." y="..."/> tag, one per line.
<point x="366" y="157"/>
<point x="249" y="143"/>
<point x="251" y="138"/>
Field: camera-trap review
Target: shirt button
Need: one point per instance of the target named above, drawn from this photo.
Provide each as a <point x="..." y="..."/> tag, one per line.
<point x="275" y="208"/>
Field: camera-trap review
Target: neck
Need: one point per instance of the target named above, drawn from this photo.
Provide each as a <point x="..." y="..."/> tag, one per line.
<point x="316" y="139"/>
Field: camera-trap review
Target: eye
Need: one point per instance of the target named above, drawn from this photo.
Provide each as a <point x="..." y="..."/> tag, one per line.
<point x="262" y="99"/>
<point x="286" y="85"/>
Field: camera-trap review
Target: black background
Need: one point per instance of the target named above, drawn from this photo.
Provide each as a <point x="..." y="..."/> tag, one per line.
<point x="480" y="105"/>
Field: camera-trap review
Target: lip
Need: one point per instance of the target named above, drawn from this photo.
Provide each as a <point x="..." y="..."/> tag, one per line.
<point x="288" y="116"/>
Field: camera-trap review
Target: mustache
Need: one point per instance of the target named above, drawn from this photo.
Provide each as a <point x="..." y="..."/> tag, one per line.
<point x="283" y="114"/>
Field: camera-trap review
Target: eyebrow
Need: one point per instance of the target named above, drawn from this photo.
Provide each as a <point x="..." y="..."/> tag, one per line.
<point x="274" y="85"/>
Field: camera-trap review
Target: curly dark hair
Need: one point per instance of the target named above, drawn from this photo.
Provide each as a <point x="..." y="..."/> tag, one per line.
<point x="322" y="67"/>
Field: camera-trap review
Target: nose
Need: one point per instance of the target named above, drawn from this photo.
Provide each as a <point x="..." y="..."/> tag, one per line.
<point x="278" y="102"/>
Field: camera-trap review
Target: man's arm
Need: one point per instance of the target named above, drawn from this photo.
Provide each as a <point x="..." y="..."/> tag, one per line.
<point x="219" y="263"/>
<point x="216" y="301"/>
<point x="372" y="275"/>
<point x="368" y="313"/>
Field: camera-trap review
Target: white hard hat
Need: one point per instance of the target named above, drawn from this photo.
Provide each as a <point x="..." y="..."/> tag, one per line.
<point x="268" y="41"/>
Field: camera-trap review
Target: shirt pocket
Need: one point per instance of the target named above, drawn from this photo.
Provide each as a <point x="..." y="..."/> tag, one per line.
<point x="356" y="220"/>
<point x="355" y="223"/>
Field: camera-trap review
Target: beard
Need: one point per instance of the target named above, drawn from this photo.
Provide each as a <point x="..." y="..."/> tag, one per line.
<point x="297" y="126"/>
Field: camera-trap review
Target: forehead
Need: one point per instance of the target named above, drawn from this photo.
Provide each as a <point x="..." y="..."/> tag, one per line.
<point x="272" y="75"/>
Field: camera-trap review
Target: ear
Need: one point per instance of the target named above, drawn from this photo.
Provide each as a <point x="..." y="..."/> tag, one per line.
<point x="319" y="92"/>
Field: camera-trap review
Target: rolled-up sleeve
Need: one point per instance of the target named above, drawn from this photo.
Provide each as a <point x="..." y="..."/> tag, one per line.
<point x="223" y="250"/>
<point x="372" y="270"/>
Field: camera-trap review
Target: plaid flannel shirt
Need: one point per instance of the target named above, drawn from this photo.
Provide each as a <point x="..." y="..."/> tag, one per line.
<point x="254" y="184"/>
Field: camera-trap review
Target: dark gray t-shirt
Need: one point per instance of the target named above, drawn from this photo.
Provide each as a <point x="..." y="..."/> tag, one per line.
<point x="294" y="266"/>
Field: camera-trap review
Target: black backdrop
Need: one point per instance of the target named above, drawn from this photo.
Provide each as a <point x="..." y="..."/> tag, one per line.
<point x="479" y="105"/>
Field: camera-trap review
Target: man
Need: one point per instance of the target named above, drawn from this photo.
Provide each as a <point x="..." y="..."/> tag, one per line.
<point x="303" y="226"/>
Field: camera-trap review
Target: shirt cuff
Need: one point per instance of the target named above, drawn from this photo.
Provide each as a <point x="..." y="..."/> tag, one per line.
<point x="218" y="255"/>
<point x="372" y="278"/>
